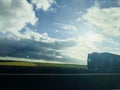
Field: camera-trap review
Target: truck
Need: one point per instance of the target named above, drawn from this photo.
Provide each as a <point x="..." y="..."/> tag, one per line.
<point x="103" y="62"/>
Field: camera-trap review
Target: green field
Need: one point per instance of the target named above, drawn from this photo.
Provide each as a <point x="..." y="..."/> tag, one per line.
<point x="38" y="64"/>
<point x="6" y="63"/>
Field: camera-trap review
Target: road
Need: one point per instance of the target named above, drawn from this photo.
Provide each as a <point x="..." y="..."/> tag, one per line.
<point x="30" y="78"/>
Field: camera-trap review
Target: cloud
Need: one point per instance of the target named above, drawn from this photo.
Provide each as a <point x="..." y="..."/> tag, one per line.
<point x="106" y="20"/>
<point x="79" y="19"/>
<point x="30" y="34"/>
<point x="69" y="27"/>
<point x="80" y="51"/>
<point x="15" y="14"/>
<point x="52" y="10"/>
<point x="43" y="4"/>
<point x="95" y="37"/>
<point x="51" y="51"/>
<point x="73" y="50"/>
<point x="14" y="42"/>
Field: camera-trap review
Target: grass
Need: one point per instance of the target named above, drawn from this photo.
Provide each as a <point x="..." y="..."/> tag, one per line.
<point x="17" y="64"/>
<point x="40" y="64"/>
<point x="61" y="65"/>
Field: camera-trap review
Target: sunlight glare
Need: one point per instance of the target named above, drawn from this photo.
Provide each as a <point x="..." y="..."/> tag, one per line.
<point x="91" y="37"/>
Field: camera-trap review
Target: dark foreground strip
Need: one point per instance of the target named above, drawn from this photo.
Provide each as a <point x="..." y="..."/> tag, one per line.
<point x="81" y="74"/>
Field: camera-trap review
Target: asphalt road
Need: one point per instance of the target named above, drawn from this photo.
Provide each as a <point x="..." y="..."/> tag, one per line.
<point x="29" y="78"/>
<point x="60" y="82"/>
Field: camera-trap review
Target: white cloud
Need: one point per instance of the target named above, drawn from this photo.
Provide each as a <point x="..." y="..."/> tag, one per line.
<point x="14" y="14"/>
<point x="94" y="37"/>
<point x="106" y="20"/>
<point x="43" y="4"/>
<point x="53" y="10"/>
<point x="96" y="3"/>
<point x="30" y="34"/>
<point x="13" y="17"/>
<point x="79" y="19"/>
<point x="69" y="27"/>
<point x="80" y="51"/>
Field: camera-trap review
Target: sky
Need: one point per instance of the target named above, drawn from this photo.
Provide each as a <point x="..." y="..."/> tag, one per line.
<point x="59" y="30"/>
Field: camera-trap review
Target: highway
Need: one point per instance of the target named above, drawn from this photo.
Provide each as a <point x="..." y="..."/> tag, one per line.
<point x="57" y="78"/>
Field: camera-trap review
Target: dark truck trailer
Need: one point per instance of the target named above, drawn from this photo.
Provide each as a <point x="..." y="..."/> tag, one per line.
<point x="103" y="62"/>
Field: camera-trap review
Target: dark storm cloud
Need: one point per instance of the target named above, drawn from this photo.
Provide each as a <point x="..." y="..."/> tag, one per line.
<point x="34" y="49"/>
